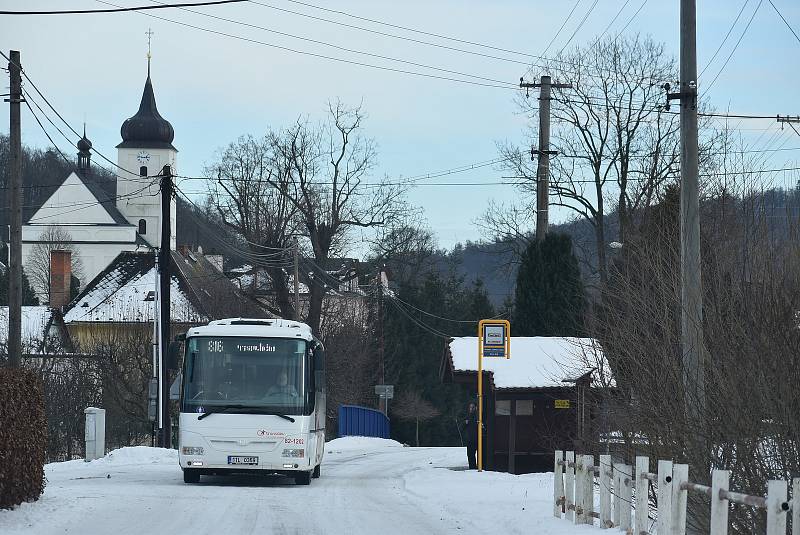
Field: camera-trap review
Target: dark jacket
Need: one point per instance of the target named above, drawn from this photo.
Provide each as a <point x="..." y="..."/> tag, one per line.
<point x="471" y="428"/>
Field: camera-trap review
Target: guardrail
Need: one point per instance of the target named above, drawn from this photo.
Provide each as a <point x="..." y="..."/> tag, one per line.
<point x="624" y="495"/>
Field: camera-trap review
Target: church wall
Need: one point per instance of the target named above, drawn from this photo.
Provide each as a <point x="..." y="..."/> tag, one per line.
<point x="96" y="246"/>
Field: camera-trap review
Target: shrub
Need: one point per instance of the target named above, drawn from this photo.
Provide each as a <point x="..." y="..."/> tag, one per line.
<point x="23" y="437"/>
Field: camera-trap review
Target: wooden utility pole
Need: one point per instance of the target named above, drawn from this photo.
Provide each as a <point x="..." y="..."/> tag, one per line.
<point x="692" y="345"/>
<point x="381" y="354"/>
<point x="296" y="280"/>
<point x="15" y="211"/>
<point x="543" y="152"/>
<point x="164" y="302"/>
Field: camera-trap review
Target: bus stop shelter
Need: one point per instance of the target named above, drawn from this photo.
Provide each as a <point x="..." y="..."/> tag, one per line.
<point x="545" y="397"/>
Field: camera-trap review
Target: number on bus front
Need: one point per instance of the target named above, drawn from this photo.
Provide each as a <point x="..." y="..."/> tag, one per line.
<point x="215" y="346"/>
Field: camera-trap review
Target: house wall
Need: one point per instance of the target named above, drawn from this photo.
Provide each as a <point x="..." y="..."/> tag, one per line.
<point x="96" y="245"/>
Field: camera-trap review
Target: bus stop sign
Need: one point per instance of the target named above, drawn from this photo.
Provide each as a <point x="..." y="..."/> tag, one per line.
<point x="494" y="337"/>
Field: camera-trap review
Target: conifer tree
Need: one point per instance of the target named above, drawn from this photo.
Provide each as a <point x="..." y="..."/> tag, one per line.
<point x="549" y="298"/>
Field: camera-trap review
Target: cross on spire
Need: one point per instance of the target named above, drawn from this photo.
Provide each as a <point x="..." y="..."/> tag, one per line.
<point x="149" y="33"/>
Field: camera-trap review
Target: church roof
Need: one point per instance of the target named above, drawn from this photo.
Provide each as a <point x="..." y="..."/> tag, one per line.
<point x="123" y="292"/>
<point x="147" y="129"/>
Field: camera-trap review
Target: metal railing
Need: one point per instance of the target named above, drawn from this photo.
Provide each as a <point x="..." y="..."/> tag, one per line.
<point x="624" y="495"/>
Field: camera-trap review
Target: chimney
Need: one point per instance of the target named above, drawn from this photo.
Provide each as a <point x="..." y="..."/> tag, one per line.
<point x="60" y="276"/>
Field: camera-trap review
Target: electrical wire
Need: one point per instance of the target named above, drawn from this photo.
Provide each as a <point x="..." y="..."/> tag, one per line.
<point x="119" y="9"/>
<point x="566" y="20"/>
<point x="580" y="25"/>
<point x="322" y="56"/>
<point x="342" y="48"/>
<point x="786" y="22"/>
<point x="736" y="46"/>
<point x="419" y="323"/>
<point x="725" y="39"/>
<point x="630" y="20"/>
<point x="610" y="24"/>
<point x="474" y="322"/>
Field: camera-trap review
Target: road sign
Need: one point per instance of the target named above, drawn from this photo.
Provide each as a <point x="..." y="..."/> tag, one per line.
<point x="561" y="404"/>
<point x="384" y="391"/>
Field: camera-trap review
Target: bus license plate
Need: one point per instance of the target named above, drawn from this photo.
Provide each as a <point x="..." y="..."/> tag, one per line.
<point x="242" y="460"/>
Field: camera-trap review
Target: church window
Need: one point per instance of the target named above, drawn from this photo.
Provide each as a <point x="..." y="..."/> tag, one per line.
<point x="142" y="227"/>
<point x="143" y="170"/>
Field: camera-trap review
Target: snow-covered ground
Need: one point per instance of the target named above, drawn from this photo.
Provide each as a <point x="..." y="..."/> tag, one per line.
<point x="370" y="486"/>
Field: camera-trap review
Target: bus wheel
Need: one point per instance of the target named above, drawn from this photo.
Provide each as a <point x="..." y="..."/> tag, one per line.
<point x="302" y="478"/>
<point x="191" y="476"/>
<point x="315" y="473"/>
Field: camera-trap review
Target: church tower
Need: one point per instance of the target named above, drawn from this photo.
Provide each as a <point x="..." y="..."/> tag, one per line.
<point x="145" y="149"/>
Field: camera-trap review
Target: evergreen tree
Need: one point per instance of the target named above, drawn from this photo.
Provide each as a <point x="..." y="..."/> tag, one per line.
<point x="28" y="295"/>
<point x="550" y="298"/>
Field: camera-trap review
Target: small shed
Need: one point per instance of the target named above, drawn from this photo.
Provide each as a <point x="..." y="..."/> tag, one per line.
<point x="541" y="399"/>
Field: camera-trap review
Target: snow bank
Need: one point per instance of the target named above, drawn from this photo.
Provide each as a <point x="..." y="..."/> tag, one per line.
<point x="360" y="443"/>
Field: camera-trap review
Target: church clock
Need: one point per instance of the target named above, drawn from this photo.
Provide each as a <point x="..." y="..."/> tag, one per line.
<point x="143" y="156"/>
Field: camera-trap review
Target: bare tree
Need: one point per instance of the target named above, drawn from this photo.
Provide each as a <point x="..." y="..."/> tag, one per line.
<point x="323" y="176"/>
<point x="616" y="147"/>
<point x="37" y="268"/>
<point x="250" y="195"/>
<point x="411" y="406"/>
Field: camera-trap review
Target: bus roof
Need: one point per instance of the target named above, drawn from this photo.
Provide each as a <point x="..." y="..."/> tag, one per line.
<point x="270" y="328"/>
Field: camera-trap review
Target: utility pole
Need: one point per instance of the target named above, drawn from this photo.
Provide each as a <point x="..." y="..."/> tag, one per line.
<point x="543" y="152"/>
<point x="15" y="210"/>
<point x="296" y="280"/>
<point x="381" y="361"/>
<point x="692" y="345"/>
<point x="791" y="121"/>
<point x="164" y="301"/>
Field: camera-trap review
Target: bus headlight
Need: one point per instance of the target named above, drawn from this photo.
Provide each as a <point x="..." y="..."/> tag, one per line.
<point x="294" y="452"/>
<point x="192" y="450"/>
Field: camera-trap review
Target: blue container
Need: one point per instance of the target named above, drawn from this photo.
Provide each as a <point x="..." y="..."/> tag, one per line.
<point x="362" y="422"/>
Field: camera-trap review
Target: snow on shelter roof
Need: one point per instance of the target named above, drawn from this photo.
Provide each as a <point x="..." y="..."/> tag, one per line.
<point x="536" y="362"/>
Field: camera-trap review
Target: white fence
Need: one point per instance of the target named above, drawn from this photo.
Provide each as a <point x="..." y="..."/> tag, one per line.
<point x="624" y="494"/>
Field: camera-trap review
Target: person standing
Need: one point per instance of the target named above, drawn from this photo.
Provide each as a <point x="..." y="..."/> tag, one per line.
<point x="471" y="434"/>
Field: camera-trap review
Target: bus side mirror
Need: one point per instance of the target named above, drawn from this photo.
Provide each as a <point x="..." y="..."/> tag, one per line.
<point x="173" y="355"/>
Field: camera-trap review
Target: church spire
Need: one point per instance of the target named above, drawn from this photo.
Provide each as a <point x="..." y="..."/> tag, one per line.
<point x="149" y="34"/>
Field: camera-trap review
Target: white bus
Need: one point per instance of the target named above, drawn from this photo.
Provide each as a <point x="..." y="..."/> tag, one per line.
<point x="252" y="400"/>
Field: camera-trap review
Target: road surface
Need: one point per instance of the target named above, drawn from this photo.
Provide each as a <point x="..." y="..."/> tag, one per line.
<point x="368" y="486"/>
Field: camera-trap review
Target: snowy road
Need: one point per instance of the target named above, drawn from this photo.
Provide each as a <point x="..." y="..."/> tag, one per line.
<point x="367" y="486"/>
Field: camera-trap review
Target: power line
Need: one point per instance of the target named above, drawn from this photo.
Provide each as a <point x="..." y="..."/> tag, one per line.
<point x="786" y="22"/>
<point x="725" y="39"/>
<point x="630" y="20"/>
<point x="569" y="16"/>
<point x="119" y="9"/>
<point x="610" y="24"/>
<point x="736" y="46"/>
<point x="322" y="56"/>
<point x="580" y="25"/>
<point x="342" y="48"/>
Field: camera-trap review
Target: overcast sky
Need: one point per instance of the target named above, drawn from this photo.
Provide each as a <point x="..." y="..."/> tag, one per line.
<point x="213" y="88"/>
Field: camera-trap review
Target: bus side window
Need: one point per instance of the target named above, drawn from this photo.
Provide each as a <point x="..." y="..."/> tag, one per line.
<point x="319" y="368"/>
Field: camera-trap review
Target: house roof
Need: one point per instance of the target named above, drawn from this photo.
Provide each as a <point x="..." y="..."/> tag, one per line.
<point x="536" y="362"/>
<point x="35" y="323"/>
<point x="124" y="292"/>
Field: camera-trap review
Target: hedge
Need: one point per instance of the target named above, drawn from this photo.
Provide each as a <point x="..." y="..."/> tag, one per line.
<point x="23" y="437"/>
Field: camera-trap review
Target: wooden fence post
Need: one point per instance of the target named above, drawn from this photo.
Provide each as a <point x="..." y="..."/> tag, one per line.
<point x="617" y="496"/>
<point x="776" y="514"/>
<point x="680" y="474"/>
<point x="796" y="506"/>
<point x="580" y="480"/>
<point x="626" y="478"/>
<point x="588" y="489"/>
<point x="664" y="498"/>
<point x="605" y="492"/>
<point x="569" y="484"/>
<point x="558" y="484"/>
<point x="642" y="510"/>
<point x="719" y="506"/>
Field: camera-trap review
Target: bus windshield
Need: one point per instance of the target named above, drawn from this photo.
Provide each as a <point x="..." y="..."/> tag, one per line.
<point x="268" y="374"/>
